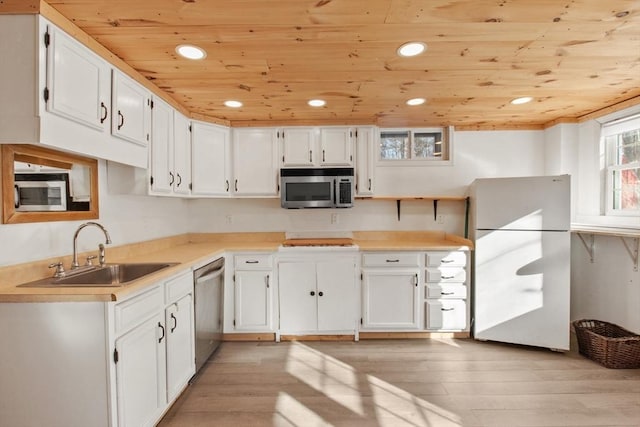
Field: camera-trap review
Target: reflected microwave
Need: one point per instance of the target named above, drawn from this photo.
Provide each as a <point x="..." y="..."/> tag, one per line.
<point x="40" y="192"/>
<point x="316" y="188"/>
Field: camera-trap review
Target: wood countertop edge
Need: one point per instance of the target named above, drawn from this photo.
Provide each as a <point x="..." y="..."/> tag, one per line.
<point x="193" y="254"/>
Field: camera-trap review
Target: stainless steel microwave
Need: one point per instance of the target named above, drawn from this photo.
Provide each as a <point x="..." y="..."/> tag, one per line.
<point x="40" y="192"/>
<point x="316" y="188"/>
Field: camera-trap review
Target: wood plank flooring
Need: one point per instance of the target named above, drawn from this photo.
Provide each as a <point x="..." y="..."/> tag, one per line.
<point x="432" y="383"/>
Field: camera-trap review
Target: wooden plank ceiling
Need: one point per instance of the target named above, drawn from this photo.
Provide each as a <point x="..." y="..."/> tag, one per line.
<point x="573" y="56"/>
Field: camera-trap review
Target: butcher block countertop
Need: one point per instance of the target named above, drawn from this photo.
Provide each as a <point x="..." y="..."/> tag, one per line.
<point x="193" y="251"/>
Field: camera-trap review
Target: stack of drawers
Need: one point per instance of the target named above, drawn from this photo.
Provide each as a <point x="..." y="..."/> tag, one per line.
<point x="447" y="290"/>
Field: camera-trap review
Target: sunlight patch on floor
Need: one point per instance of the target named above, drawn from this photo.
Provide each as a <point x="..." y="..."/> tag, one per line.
<point x="325" y="374"/>
<point x="290" y="412"/>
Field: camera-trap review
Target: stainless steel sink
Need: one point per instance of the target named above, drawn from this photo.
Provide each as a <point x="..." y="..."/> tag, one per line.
<point x="109" y="275"/>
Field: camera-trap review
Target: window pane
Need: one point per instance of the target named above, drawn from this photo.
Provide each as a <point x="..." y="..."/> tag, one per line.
<point x="427" y="145"/>
<point x="394" y="145"/>
<point x="627" y="146"/>
<point x="626" y="189"/>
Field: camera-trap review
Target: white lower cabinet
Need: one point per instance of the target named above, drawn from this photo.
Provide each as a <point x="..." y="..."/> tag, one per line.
<point x="446" y="293"/>
<point x="317" y="294"/>
<point x="102" y="364"/>
<point x="443" y="314"/>
<point x="140" y="360"/>
<point x="155" y="359"/>
<point x="252" y="306"/>
<point x="391" y="299"/>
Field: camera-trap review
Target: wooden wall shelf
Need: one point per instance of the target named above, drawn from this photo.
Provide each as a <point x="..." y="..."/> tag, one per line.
<point x="435" y="199"/>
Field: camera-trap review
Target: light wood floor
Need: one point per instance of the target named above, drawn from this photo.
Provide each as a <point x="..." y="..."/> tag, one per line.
<point x="405" y="383"/>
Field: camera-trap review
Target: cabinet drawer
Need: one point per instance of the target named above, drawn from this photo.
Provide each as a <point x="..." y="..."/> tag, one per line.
<point x="453" y="258"/>
<point x="446" y="290"/>
<point x="179" y="287"/>
<point x="133" y="311"/>
<point x="446" y="274"/>
<point x="252" y="262"/>
<point x="391" y="259"/>
<point x="446" y="314"/>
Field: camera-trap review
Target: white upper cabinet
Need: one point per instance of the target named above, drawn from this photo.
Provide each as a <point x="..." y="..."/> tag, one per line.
<point x="131" y="109"/>
<point x="317" y="147"/>
<point x="181" y="154"/>
<point x="366" y="146"/>
<point x="57" y="92"/>
<point x="162" y="141"/>
<point x="77" y="81"/>
<point x="210" y="160"/>
<point x="255" y="162"/>
<point x="336" y="146"/>
<point x="299" y="147"/>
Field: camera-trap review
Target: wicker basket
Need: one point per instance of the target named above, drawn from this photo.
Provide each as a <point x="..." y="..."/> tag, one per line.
<point x="608" y="344"/>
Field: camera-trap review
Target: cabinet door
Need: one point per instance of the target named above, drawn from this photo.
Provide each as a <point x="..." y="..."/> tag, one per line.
<point x="162" y="176"/>
<point x="210" y="160"/>
<point x="298" y="145"/>
<point x="255" y="162"/>
<point x="298" y="296"/>
<point x="337" y="300"/>
<point x="366" y="147"/>
<point x="336" y="146"/>
<point x="253" y="301"/>
<point x="180" y="345"/>
<point x="140" y="373"/>
<point x="181" y="155"/>
<point x="390" y="299"/>
<point x="78" y="82"/>
<point x="131" y="105"/>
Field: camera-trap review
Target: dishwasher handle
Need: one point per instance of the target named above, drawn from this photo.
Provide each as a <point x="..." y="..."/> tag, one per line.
<point x="210" y="276"/>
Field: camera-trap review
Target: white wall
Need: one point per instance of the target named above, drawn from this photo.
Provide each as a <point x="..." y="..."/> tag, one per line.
<point x="607" y="289"/>
<point x="475" y="154"/>
<point x="127" y="218"/>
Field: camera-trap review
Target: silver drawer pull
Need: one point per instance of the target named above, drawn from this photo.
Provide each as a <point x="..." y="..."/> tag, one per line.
<point x="447" y="277"/>
<point x="393" y="260"/>
<point x="252" y="262"/>
<point x="447" y="293"/>
<point x="447" y="309"/>
<point x="446" y="261"/>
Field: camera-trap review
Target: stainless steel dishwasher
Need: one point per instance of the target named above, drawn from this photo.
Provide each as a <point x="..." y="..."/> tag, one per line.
<point x="208" y="285"/>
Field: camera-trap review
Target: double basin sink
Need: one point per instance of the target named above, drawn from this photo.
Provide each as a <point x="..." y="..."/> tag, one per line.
<point x="109" y="275"/>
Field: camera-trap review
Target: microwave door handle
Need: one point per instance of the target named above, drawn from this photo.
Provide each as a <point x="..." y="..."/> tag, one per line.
<point x="16" y="196"/>
<point x="335" y="191"/>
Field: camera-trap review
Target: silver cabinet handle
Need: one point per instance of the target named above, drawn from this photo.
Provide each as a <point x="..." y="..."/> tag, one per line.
<point x="369" y="184"/>
<point x="446" y="277"/>
<point x="446" y="261"/>
<point x="310" y="156"/>
<point x="447" y="309"/>
<point x="416" y="279"/>
<point x="393" y="260"/>
<point x="446" y="293"/>
<point x="267" y="280"/>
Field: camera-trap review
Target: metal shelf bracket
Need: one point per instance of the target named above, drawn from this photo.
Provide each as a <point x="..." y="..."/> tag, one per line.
<point x="632" y="250"/>
<point x="588" y="246"/>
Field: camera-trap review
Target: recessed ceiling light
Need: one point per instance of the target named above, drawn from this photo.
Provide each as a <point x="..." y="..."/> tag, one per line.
<point x="522" y="100"/>
<point x="317" y="102"/>
<point x="416" y="101"/>
<point x="190" y="52"/>
<point x="412" y="49"/>
<point x="233" y="104"/>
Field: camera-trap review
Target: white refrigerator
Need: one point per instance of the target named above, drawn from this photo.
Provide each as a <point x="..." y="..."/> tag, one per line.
<point x="520" y="228"/>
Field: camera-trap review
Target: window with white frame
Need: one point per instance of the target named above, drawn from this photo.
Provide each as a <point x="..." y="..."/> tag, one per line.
<point x="622" y="146"/>
<point x="428" y="144"/>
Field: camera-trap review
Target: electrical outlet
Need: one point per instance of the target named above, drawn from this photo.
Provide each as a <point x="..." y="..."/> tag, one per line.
<point x="229" y="219"/>
<point x="440" y="219"/>
<point x="334" y="218"/>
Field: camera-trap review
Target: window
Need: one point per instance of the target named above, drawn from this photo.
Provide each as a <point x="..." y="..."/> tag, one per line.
<point x="622" y="145"/>
<point x="431" y="144"/>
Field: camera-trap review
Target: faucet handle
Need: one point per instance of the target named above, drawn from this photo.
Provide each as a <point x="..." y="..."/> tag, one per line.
<point x="59" y="270"/>
<point x="89" y="258"/>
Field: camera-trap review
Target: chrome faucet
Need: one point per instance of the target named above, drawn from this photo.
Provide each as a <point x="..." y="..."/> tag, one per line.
<point x="74" y="263"/>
